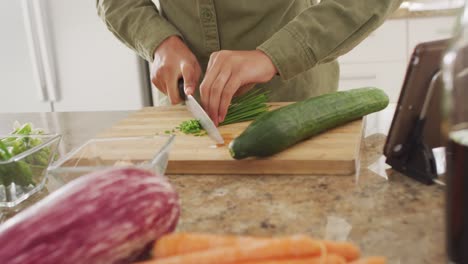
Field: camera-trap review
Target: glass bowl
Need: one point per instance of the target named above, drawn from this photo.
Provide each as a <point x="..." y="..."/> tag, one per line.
<point x="147" y="152"/>
<point x="25" y="173"/>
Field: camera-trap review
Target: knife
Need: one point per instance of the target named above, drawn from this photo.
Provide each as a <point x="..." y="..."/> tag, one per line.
<point x="197" y="111"/>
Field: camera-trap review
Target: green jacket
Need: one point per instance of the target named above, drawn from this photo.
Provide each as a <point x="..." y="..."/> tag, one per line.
<point x="303" y="38"/>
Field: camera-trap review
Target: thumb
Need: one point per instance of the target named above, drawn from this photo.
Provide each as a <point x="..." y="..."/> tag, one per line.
<point x="191" y="77"/>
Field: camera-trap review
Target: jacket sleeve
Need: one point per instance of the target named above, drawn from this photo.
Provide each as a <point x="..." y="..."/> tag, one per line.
<point x="137" y="23"/>
<point x="323" y="32"/>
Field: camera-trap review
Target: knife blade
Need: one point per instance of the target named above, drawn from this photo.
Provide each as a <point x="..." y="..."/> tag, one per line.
<point x="197" y="111"/>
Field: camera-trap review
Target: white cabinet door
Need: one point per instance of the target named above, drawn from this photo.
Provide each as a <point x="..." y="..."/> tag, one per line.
<point x="18" y="89"/>
<point x="388" y="76"/>
<point x="429" y="29"/>
<point x="387" y="43"/>
<point x="95" y="71"/>
<point x="378" y="61"/>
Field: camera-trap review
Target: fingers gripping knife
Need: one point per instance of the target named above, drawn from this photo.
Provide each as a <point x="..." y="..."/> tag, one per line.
<point x="198" y="113"/>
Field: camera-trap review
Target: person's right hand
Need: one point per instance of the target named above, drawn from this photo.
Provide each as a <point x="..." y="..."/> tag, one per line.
<point x="173" y="60"/>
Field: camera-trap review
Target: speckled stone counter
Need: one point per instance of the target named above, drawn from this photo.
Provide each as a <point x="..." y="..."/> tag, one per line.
<point x="392" y="216"/>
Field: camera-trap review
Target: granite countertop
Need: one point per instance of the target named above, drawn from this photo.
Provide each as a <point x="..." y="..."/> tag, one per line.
<point x="382" y="211"/>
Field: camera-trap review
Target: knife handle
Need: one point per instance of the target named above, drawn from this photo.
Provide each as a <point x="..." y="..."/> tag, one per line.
<point x="180" y="86"/>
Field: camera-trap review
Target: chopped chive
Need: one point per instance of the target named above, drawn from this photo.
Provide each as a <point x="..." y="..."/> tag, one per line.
<point x="246" y="107"/>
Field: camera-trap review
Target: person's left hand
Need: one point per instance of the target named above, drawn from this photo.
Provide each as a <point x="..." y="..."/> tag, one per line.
<point x="228" y="71"/>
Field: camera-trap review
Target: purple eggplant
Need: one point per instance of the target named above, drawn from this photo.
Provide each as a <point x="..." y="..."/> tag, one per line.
<point x="104" y="217"/>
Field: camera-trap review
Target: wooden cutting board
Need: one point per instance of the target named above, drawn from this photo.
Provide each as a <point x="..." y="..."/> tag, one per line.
<point x="334" y="152"/>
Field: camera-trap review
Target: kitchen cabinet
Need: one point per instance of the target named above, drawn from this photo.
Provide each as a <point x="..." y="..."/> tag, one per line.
<point x="57" y="55"/>
<point x="19" y="84"/>
<point x="377" y="47"/>
<point x="382" y="58"/>
<point x="385" y="75"/>
<point x="427" y="29"/>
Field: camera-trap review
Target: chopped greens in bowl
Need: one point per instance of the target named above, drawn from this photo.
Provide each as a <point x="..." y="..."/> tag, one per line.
<point x="25" y="154"/>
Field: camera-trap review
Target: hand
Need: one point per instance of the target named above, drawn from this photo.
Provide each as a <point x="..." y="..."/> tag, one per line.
<point x="173" y="60"/>
<point x="226" y="73"/>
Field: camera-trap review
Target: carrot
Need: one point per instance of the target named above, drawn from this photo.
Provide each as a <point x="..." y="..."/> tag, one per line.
<point x="184" y="243"/>
<point x="291" y="247"/>
<point x="371" y="260"/>
<point x="348" y="250"/>
<point x="330" y="259"/>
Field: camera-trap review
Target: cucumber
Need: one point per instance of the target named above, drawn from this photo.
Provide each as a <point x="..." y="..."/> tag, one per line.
<point x="279" y="129"/>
